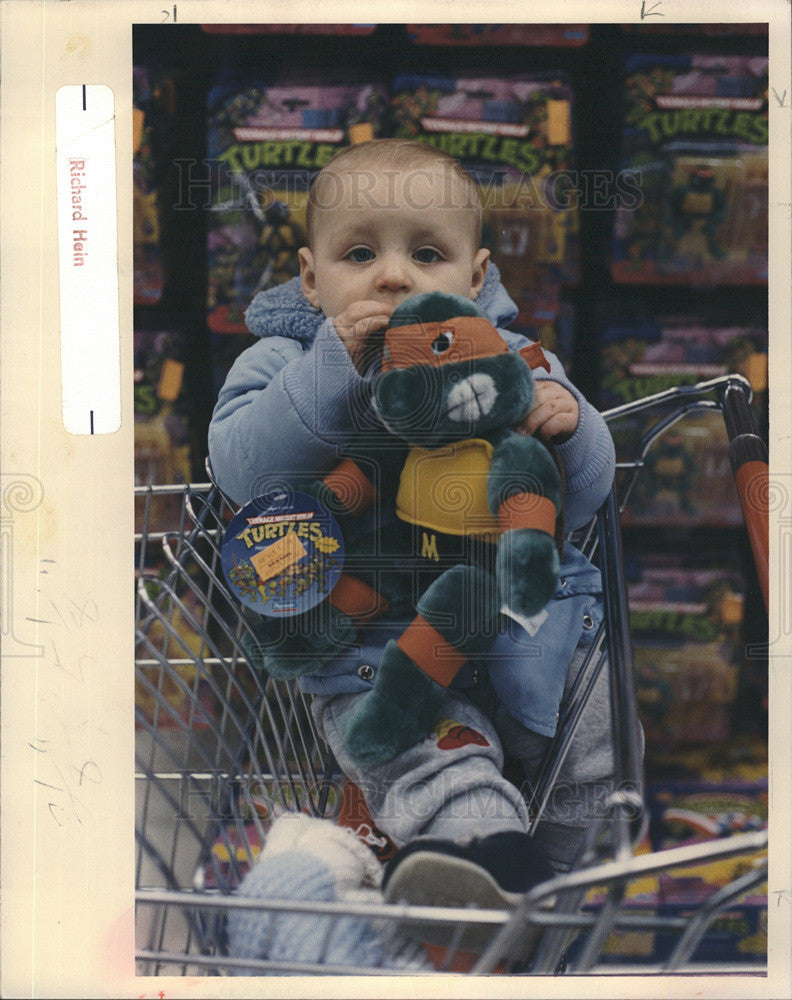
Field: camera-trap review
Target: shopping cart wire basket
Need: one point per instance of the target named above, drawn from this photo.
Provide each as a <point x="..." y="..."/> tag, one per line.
<point x="221" y="750"/>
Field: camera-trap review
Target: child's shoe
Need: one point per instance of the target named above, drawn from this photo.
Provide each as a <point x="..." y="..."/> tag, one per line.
<point x="492" y="873"/>
<point x="308" y="860"/>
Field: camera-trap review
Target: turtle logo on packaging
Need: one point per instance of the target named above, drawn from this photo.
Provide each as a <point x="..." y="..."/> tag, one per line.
<point x="282" y="553"/>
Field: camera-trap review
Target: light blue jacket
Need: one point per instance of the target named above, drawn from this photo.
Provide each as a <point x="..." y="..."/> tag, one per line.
<point x="290" y="404"/>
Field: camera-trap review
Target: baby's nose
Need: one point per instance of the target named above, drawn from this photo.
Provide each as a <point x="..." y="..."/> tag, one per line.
<point x="393" y="274"/>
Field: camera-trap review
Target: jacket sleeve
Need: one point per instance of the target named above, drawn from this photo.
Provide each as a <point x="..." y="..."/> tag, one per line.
<point x="588" y="457"/>
<point x="284" y="412"/>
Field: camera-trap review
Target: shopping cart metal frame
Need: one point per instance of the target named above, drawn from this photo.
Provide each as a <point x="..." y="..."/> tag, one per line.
<point x="206" y="774"/>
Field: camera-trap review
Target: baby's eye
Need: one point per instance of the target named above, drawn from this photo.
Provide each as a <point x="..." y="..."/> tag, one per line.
<point x="427" y="255"/>
<point x="360" y="255"/>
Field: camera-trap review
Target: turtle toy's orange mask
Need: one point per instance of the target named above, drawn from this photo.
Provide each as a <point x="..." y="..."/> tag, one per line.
<point x="444" y="380"/>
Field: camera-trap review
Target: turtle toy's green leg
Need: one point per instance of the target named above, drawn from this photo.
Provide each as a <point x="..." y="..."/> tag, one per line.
<point x="456" y="621"/>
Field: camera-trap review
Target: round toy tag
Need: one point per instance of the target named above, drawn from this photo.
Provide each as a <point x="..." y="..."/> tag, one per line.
<point x="282" y="553"/>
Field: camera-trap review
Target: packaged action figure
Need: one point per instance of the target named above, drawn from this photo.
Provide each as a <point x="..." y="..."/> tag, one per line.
<point x="695" y="142"/>
<point x="686" y="480"/>
<point x="153" y="109"/>
<point x="499" y="34"/>
<point x="514" y="136"/>
<point x="266" y="143"/>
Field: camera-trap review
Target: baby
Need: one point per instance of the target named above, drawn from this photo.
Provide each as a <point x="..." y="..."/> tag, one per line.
<point x="388" y="219"/>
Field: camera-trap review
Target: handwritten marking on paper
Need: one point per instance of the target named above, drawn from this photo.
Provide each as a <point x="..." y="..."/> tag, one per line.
<point x="64" y="770"/>
<point x="64" y="797"/>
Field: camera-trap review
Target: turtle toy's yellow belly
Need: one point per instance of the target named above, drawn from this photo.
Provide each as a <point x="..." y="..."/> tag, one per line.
<point x="445" y="489"/>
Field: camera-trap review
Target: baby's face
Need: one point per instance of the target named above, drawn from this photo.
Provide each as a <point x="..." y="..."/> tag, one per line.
<point x="383" y="236"/>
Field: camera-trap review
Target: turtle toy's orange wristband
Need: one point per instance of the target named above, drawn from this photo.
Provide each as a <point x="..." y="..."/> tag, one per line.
<point x="355" y="598"/>
<point x="430" y="651"/>
<point x="527" y="510"/>
<point x="352" y="487"/>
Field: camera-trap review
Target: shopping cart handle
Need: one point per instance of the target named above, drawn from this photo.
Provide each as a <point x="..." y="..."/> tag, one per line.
<point x="751" y="475"/>
<point x="748" y="456"/>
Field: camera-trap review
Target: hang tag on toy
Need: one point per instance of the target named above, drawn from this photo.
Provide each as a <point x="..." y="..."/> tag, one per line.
<point x="282" y="553"/>
<point x="531" y="625"/>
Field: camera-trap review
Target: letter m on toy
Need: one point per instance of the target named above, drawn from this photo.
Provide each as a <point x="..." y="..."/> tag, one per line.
<point x="429" y="547"/>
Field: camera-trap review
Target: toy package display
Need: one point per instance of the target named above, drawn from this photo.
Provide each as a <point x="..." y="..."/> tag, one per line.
<point x="683" y="813"/>
<point x="499" y="34"/>
<point x="724" y="30"/>
<point x="640" y="900"/>
<point x="161" y="432"/>
<point x="153" y="107"/>
<point x="514" y="136"/>
<point x="695" y="143"/>
<point x="162" y="456"/>
<point x="741" y="758"/>
<point x="737" y="934"/>
<point x="162" y="450"/>
<point x="266" y="143"/>
<point x="289" y="29"/>
<point x="168" y="698"/>
<point x="686" y="625"/>
<point x="686" y="479"/>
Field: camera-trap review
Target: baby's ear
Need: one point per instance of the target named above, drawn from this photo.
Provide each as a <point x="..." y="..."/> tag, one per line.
<point x="308" y="276"/>
<point x="480" y="263"/>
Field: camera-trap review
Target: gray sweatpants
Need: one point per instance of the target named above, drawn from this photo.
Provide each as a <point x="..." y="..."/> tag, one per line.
<point x="451" y="784"/>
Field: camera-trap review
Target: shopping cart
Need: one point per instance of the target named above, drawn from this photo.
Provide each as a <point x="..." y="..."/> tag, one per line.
<point x="221" y="750"/>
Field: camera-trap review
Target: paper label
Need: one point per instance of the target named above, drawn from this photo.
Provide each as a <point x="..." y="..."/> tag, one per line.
<point x="88" y="259"/>
<point x="278" y="557"/>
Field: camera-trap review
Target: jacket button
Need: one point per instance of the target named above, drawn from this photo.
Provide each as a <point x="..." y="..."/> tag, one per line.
<point x="588" y="622"/>
<point x="366" y="672"/>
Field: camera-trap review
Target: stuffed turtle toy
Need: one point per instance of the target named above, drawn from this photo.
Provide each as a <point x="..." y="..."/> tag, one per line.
<point x="477" y="506"/>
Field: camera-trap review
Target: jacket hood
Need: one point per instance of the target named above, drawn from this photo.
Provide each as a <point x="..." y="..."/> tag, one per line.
<point x="284" y="311"/>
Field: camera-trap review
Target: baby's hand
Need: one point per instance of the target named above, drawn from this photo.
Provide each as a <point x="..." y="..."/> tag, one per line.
<point x="555" y="413"/>
<point x="355" y="326"/>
